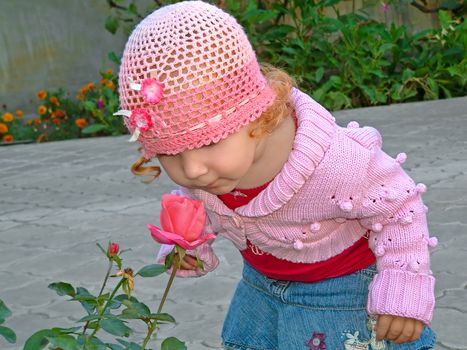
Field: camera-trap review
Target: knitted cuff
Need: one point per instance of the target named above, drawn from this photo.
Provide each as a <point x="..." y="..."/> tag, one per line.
<point x="402" y="293"/>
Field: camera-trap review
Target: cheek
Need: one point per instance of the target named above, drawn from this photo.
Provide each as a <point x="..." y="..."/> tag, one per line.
<point x="171" y="168"/>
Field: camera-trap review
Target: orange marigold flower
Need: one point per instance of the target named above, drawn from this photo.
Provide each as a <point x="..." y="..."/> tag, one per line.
<point x="3" y="128"/>
<point x="8" y="117"/>
<point x="29" y="122"/>
<point x="110" y="71"/>
<point x="37" y="121"/>
<point x="41" y="94"/>
<point x="81" y="122"/>
<point x="8" y="138"/>
<point x="83" y="90"/>
<point x="110" y="85"/>
<point x="54" y="100"/>
<point x="104" y="81"/>
<point x="90" y="86"/>
<point x="42" y="109"/>
<point x="59" y="113"/>
<point x="19" y="113"/>
<point x="56" y="121"/>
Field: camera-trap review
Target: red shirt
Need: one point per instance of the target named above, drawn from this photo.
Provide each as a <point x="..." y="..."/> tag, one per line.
<point x="354" y="258"/>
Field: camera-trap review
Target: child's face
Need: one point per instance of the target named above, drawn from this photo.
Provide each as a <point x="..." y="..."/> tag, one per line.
<point x="217" y="168"/>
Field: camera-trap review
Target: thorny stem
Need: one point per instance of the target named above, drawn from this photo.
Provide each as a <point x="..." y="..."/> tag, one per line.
<point x="100" y="292"/>
<point x="153" y="325"/>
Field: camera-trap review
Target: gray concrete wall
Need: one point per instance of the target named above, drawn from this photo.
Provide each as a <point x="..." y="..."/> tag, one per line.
<point x="47" y="44"/>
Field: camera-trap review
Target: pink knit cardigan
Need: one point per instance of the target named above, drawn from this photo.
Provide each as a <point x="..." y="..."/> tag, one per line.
<point x="336" y="186"/>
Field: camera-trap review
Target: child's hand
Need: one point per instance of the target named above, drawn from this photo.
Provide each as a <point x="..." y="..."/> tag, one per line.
<point x="398" y="329"/>
<point x="189" y="263"/>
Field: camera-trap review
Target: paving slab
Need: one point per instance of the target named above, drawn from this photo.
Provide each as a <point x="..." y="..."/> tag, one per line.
<point x="58" y="199"/>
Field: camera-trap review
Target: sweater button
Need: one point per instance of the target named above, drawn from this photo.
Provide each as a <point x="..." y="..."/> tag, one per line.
<point x="315" y="227"/>
<point x="346" y="206"/>
<point x="298" y="244"/>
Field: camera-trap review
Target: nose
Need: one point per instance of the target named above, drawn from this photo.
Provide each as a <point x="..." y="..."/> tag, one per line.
<point x="194" y="165"/>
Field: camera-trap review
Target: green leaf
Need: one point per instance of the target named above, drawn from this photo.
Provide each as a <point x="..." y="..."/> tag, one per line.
<point x="319" y="74"/>
<point x="8" y="334"/>
<point x="62" y="288"/>
<point x="65" y="342"/>
<point x="151" y="270"/>
<point x="112" y="56"/>
<point x="118" y="261"/>
<point x="38" y="340"/>
<point x="169" y="259"/>
<point x="163" y="317"/>
<point x="93" y="128"/>
<point x="59" y="330"/>
<point x="132" y="10"/>
<point x="94" y="343"/>
<point x="116" y="327"/>
<point x="4" y="311"/>
<point x="88" y="306"/>
<point x="115" y="346"/>
<point x="173" y="343"/>
<point x="111" y="24"/>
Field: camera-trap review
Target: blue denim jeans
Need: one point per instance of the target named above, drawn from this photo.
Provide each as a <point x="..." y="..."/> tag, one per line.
<point x="268" y="314"/>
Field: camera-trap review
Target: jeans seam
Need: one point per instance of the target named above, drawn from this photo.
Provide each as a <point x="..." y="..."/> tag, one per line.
<point x="258" y="289"/>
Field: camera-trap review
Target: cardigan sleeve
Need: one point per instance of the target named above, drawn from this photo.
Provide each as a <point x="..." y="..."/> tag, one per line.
<point x="393" y="212"/>
<point x="204" y="252"/>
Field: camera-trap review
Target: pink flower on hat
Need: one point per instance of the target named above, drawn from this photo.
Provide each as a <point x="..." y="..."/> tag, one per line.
<point x="152" y="90"/>
<point x="141" y="119"/>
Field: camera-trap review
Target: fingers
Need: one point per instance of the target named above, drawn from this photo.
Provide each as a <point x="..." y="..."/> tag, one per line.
<point x="407" y="331"/>
<point x="189" y="263"/>
<point x="382" y="326"/>
<point x="398" y="329"/>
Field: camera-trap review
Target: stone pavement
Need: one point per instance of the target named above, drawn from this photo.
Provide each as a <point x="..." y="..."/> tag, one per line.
<point x="58" y="199"/>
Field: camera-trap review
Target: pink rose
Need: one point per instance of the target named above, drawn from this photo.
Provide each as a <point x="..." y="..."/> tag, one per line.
<point x="113" y="249"/>
<point x="152" y="90"/>
<point x="182" y="220"/>
<point x="141" y="119"/>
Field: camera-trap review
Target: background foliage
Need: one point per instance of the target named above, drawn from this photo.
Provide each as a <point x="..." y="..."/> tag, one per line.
<point x="343" y="60"/>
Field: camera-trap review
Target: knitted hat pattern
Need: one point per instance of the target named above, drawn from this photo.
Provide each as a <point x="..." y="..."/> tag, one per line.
<point x="188" y="78"/>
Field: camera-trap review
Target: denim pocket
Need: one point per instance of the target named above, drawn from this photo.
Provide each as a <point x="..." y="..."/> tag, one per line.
<point x="368" y="272"/>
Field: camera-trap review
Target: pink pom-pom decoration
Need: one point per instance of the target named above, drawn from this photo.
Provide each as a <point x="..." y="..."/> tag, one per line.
<point x="353" y="125"/>
<point x="346" y="206"/>
<point x="315" y="227"/>
<point x="401" y="158"/>
<point x="298" y="244"/>
<point x="406" y="220"/>
<point x="391" y="195"/>
<point x="421" y="188"/>
<point x="377" y="227"/>
<point x="379" y="251"/>
<point x="432" y="242"/>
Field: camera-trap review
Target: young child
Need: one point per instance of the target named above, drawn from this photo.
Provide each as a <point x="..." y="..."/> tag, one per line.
<point x="311" y="206"/>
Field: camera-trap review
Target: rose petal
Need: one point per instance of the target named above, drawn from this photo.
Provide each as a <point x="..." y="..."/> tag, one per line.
<point x="161" y="236"/>
<point x="197" y="223"/>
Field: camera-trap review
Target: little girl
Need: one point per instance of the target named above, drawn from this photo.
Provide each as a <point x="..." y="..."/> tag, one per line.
<point x="332" y="231"/>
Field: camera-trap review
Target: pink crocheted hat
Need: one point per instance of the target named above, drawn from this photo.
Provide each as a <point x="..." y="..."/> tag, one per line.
<point x="188" y="78"/>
